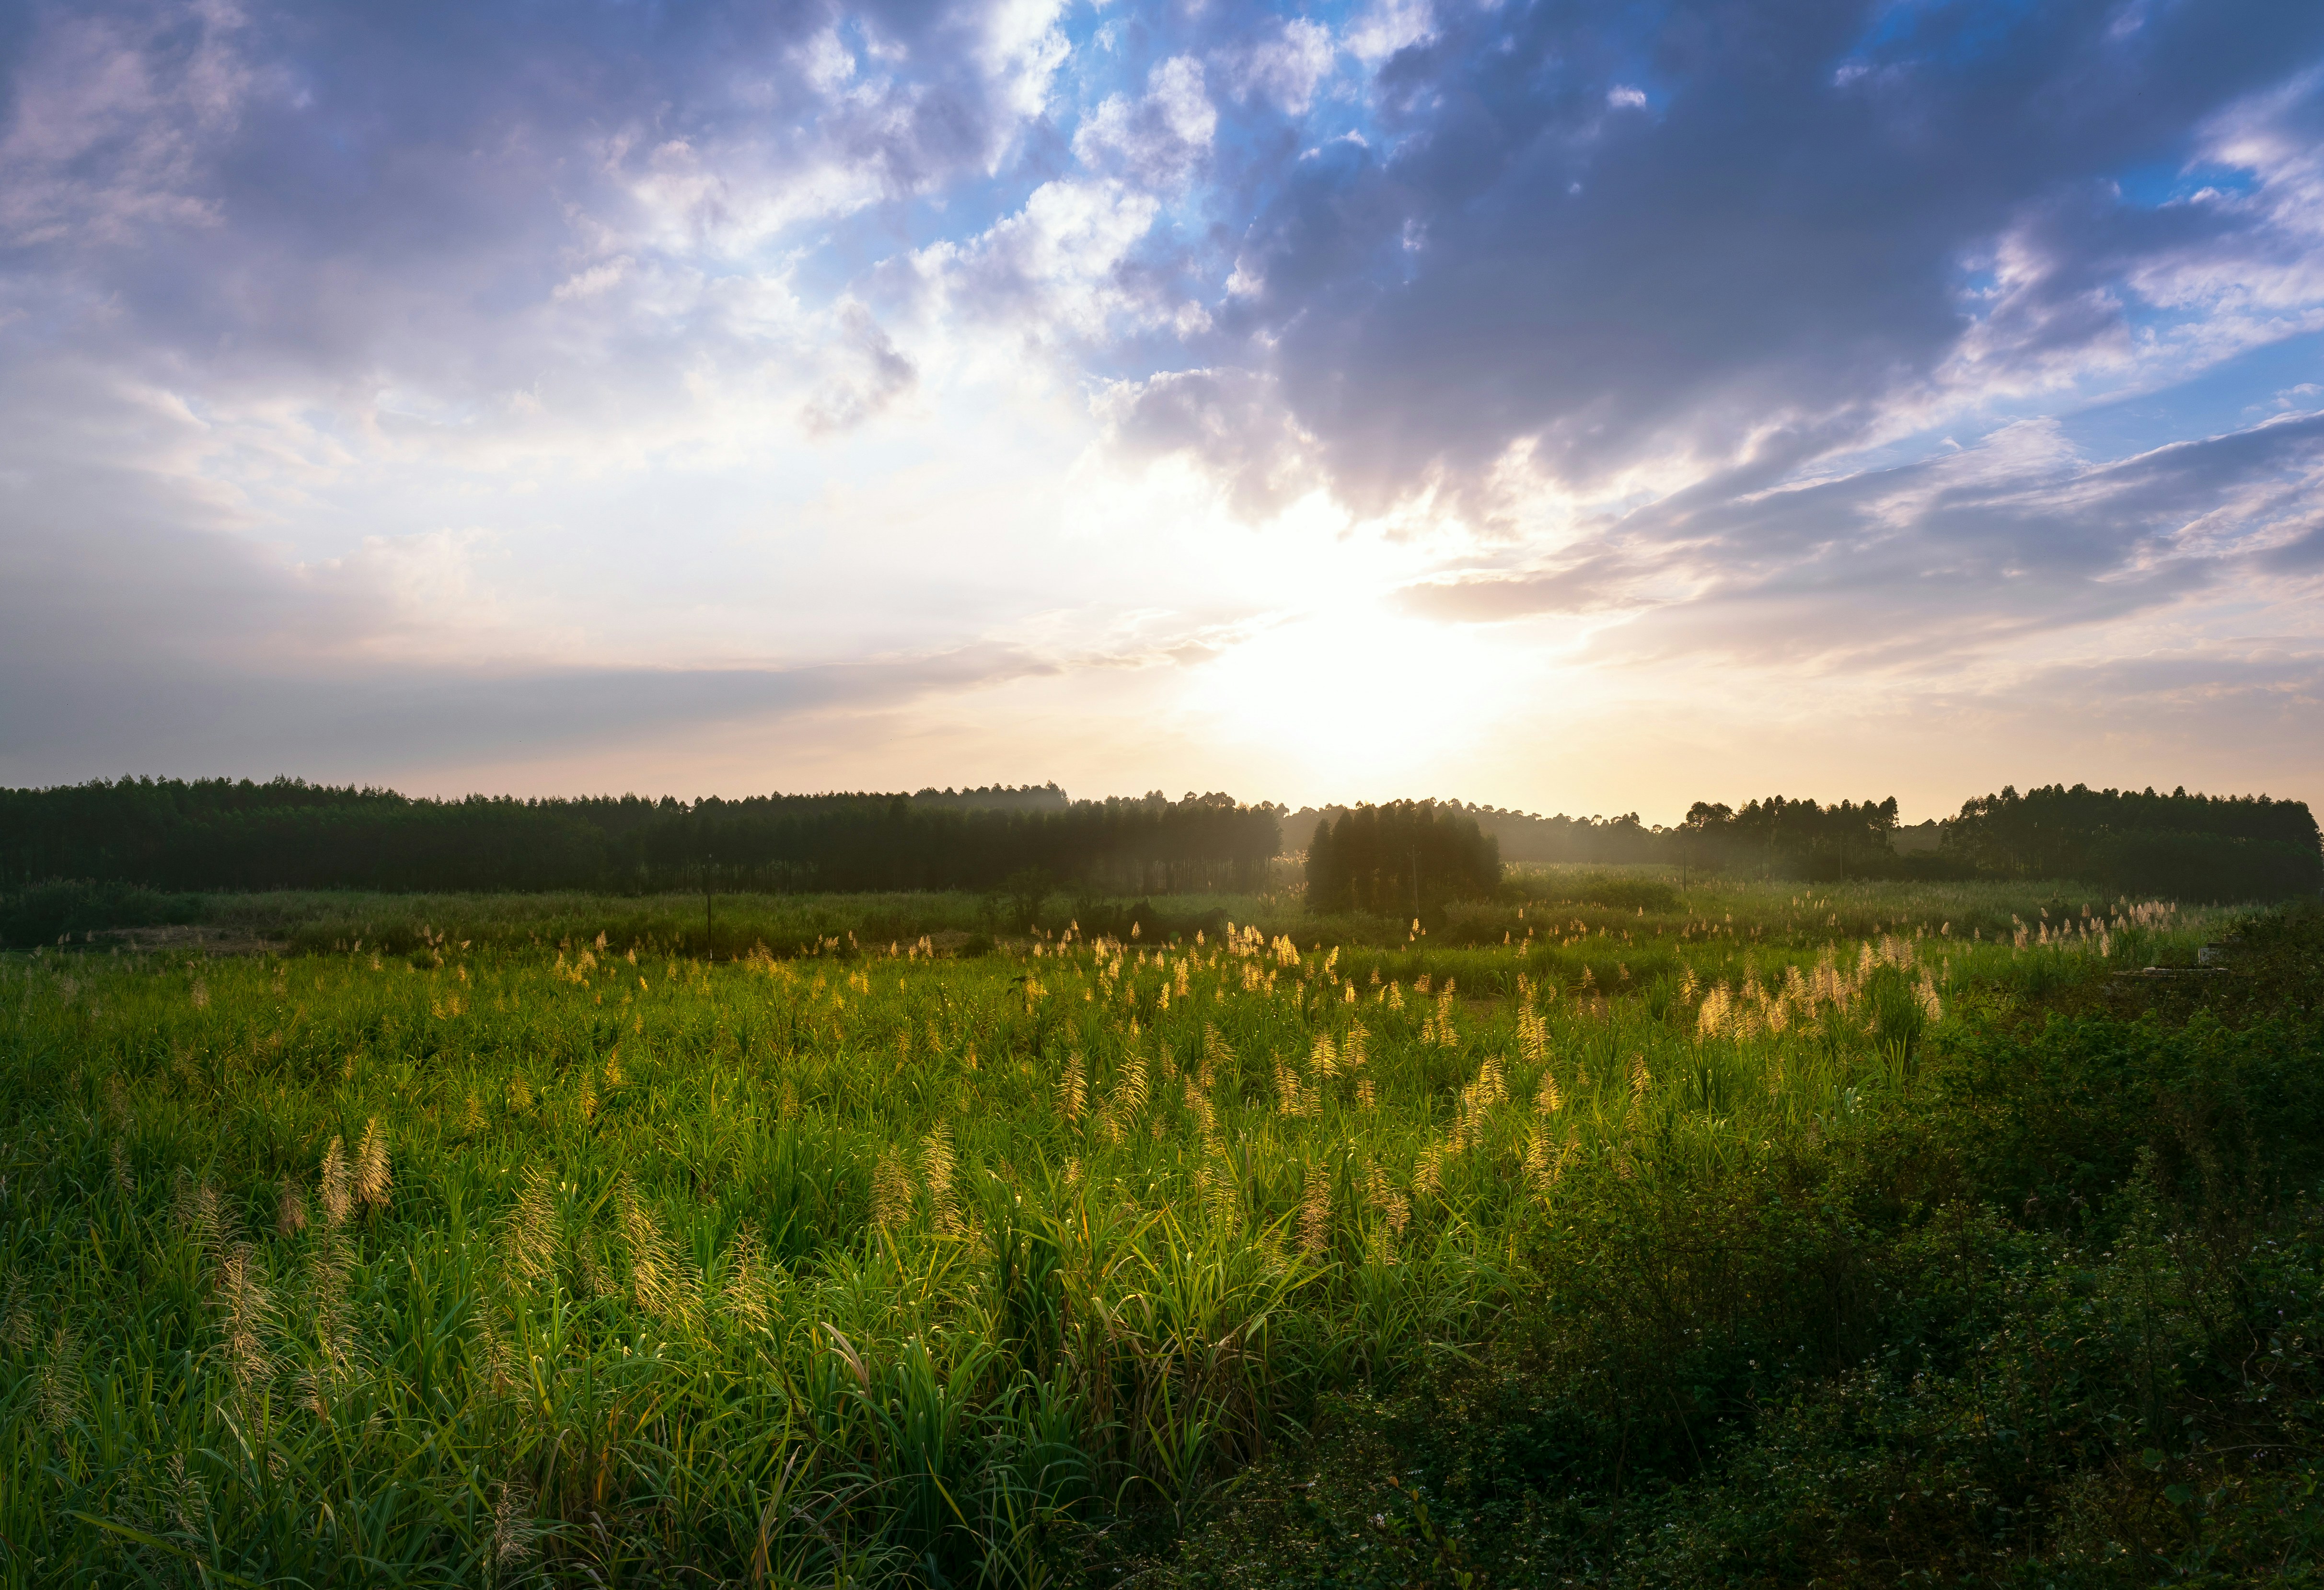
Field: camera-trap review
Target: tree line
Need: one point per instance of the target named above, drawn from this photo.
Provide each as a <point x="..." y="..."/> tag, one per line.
<point x="223" y="835"/>
<point x="2196" y="846"/>
<point x="2181" y="845"/>
<point x="241" y="835"/>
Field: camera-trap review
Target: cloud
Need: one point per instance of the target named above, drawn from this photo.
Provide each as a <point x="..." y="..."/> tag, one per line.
<point x="1916" y="567"/>
<point x="1834" y="219"/>
<point x="1590" y="584"/>
<point x="440" y="379"/>
<point x="132" y="642"/>
<point x="1228" y="422"/>
<point x="881" y="376"/>
<point x="1158" y="140"/>
<point x="269" y="194"/>
<point x="1285" y="66"/>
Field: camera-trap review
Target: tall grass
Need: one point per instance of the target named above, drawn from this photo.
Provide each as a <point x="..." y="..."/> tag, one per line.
<point x="457" y="1257"/>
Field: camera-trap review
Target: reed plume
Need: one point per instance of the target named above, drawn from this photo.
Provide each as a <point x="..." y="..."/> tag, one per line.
<point x="289" y="1208"/>
<point x="937" y="1163"/>
<point x="529" y="1237"/>
<point x="664" y="1285"/>
<point x="749" y="1281"/>
<point x="1315" y="1210"/>
<point x="372" y="1178"/>
<point x="891" y="1190"/>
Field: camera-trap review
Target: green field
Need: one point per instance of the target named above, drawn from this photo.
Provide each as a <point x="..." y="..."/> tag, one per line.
<point x="496" y="1241"/>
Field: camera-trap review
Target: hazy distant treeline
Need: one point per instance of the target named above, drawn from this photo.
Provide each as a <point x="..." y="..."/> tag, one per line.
<point x="2185" y="846"/>
<point x="229" y="834"/>
<point x="2195" y="847"/>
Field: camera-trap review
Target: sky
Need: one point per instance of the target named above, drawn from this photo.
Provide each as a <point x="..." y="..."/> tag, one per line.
<point x="1570" y="406"/>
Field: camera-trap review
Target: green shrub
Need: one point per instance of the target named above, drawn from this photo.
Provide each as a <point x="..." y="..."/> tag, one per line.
<point x="1609" y="889"/>
<point x="45" y="912"/>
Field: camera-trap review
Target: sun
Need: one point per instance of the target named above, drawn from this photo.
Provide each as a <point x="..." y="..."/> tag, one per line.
<point x="1362" y="701"/>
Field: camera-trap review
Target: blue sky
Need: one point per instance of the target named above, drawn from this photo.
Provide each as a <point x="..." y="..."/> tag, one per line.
<point x="1570" y="406"/>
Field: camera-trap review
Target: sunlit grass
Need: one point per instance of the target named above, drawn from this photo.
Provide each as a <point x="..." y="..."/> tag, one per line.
<point x="468" y="1259"/>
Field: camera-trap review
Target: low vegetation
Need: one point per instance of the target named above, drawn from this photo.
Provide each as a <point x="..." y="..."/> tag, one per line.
<point x="1716" y="1237"/>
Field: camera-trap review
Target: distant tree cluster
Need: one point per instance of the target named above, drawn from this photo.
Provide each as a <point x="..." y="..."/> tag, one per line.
<point x="228" y="834"/>
<point x="1798" y="832"/>
<point x="1404" y="857"/>
<point x="2215" y="847"/>
<point x="1524" y="837"/>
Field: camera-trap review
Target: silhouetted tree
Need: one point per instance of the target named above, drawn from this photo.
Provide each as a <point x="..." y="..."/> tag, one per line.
<point x="1404" y="857"/>
<point x="2197" y="846"/>
<point x="224" y="834"/>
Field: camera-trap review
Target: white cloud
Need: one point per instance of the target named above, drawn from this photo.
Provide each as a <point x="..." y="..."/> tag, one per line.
<point x="1158" y="140"/>
<point x="1287" y="67"/>
<point x="1388" y="26"/>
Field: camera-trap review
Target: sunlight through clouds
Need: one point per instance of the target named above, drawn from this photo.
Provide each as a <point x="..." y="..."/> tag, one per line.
<point x="1022" y="370"/>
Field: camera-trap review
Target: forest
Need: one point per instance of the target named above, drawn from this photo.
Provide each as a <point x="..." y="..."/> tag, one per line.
<point x="164" y="839"/>
<point x="2194" y="846"/>
<point x="288" y="834"/>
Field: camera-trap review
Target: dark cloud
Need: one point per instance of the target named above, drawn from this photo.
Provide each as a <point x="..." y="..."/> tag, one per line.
<point x="1633" y="234"/>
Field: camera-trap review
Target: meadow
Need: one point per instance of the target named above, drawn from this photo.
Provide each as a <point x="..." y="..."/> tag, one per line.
<point x="475" y="1241"/>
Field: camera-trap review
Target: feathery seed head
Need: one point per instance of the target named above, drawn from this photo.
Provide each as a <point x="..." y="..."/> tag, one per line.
<point x="372" y="1178"/>
<point x="289" y="1209"/>
<point x="1315" y="1210"/>
<point x="891" y="1190"/>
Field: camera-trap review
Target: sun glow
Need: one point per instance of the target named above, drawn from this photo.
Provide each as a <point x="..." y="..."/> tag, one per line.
<point x="1361" y="700"/>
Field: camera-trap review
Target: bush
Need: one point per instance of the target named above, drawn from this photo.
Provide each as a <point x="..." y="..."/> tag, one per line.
<point x="1611" y="890"/>
<point x="43" y="912"/>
